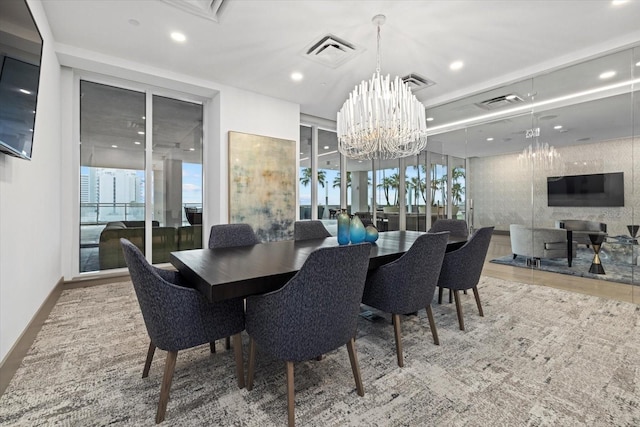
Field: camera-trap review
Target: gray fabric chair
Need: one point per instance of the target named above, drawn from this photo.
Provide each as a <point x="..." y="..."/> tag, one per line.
<point x="178" y="317"/>
<point x="461" y="269"/>
<point x="312" y="229"/>
<point x="232" y="235"/>
<point x="313" y="313"/>
<point x="408" y="284"/>
<point x="457" y="227"/>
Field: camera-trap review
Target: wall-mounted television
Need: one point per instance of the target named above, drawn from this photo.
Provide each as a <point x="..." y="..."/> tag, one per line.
<point x="20" y="54"/>
<point x="599" y="189"/>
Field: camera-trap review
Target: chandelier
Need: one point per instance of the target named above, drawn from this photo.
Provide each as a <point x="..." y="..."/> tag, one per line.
<point x="539" y="156"/>
<point x="381" y="119"/>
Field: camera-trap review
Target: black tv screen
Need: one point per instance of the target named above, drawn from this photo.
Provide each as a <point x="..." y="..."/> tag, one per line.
<point x="20" y="53"/>
<point x="600" y="189"/>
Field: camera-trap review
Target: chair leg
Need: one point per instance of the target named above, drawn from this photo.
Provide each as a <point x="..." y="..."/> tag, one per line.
<point x="398" y="334"/>
<point x="353" y="358"/>
<point x="212" y="346"/>
<point x="432" y="325"/>
<point x="237" y="349"/>
<point x="169" y="367"/>
<point x="290" y="395"/>
<point x="227" y="343"/>
<point x="459" y="309"/>
<point x="439" y="294"/>
<point x="450" y="299"/>
<point x="147" y="363"/>
<point x="252" y="362"/>
<point x="477" y="295"/>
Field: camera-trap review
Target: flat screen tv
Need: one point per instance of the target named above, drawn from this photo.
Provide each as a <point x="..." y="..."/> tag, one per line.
<point x="20" y="53"/>
<point x="599" y="189"/>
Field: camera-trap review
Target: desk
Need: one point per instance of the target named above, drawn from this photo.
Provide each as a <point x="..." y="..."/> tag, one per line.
<point x="225" y="273"/>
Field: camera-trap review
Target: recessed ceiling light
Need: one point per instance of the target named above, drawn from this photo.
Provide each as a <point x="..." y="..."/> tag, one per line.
<point x="618" y="2"/>
<point x="326" y="147"/>
<point x="140" y="132"/>
<point x="489" y="139"/>
<point x="456" y="65"/>
<point x="192" y="149"/>
<point x="136" y="142"/>
<point x="114" y="146"/>
<point x="296" y="76"/>
<point x="607" y="74"/>
<point x="429" y="119"/>
<point x="178" y="37"/>
<point x="638" y="64"/>
<point x="25" y="91"/>
<point x="557" y="127"/>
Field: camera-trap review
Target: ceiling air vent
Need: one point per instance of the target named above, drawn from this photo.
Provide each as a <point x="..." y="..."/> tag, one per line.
<point x="416" y="82"/>
<point x="331" y="51"/>
<point x="500" y="101"/>
<point x="210" y="9"/>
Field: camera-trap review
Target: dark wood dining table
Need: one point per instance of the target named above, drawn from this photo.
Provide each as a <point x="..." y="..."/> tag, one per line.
<point x="225" y="273"/>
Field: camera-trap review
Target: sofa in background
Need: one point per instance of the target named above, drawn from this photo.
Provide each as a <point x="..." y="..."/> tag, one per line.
<point x="539" y="242"/>
<point x="581" y="229"/>
<point x="164" y="241"/>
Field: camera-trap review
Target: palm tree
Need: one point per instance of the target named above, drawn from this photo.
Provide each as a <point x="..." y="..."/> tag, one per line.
<point x="386" y="184"/>
<point x="305" y="179"/>
<point x="336" y="180"/>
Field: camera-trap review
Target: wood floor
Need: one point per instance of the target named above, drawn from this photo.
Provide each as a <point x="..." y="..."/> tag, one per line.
<point x="500" y="246"/>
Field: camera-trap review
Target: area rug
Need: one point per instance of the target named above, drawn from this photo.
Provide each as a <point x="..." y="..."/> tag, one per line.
<point x="614" y="271"/>
<point x="539" y="357"/>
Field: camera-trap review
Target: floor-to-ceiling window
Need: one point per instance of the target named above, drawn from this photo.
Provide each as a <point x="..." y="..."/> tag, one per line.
<point x="132" y="181"/>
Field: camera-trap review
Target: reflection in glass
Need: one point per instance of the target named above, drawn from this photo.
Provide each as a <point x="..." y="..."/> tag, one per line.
<point x="112" y="163"/>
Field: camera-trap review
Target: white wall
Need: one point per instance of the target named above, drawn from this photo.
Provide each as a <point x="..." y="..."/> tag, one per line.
<point x="502" y="191"/>
<point x="30" y="214"/>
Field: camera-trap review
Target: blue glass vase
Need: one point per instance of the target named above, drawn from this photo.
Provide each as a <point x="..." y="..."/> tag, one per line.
<point x="371" y="234"/>
<point x="343" y="227"/>
<point x="356" y="230"/>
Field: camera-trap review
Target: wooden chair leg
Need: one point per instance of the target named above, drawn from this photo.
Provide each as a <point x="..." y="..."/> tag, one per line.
<point x="477" y="295"/>
<point x="147" y="363"/>
<point x="237" y="349"/>
<point x="169" y="367"/>
<point x="353" y="358"/>
<point x="439" y="295"/>
<point x="398" y="334"/>
<point x="252" y="362"/>
<point x="227" y="343"/>
<point x="290" y="395"/>
<point x="459" y="309"/>
<point x="432" y="325"/>
<point x="212" y="346"/>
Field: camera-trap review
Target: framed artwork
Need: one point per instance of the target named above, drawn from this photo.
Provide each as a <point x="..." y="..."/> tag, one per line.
<point x="262" y="184"/>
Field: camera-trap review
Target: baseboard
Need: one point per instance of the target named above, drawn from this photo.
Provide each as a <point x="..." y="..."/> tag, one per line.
<point x="13" y="359"/>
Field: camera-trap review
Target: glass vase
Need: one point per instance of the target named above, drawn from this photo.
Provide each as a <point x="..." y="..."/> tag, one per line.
<point x="371" y="234"/>
<point x="356" y="230"/>
<point x="343" y="227"/>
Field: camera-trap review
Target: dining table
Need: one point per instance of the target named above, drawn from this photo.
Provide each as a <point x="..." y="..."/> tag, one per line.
<point x="238" y="272"/>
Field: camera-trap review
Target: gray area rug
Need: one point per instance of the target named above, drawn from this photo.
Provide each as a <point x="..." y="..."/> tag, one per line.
<point x="615" y="271"/>
<point x="539" y="357"/>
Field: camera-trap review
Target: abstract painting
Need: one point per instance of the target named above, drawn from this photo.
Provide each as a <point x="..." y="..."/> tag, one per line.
<point x="262" y="184"/>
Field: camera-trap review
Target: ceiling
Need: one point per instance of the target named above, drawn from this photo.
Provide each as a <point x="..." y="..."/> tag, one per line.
<point x="256" y="44"/>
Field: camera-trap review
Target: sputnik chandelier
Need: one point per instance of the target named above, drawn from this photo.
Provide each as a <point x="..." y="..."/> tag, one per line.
<point x="381" y="119"/>
<point x="540" y="155"/>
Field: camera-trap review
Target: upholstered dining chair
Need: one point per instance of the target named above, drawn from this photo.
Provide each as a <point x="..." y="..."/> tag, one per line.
<point x="178" y="317"/>
<point x="462" y="267"/>
<point x="232" y="235"/>
<point x="457" y="227"/>
<point x="315" y="312"/>
<point x="408" y="284"/>
<point x="310" y="229"/>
